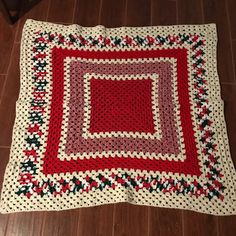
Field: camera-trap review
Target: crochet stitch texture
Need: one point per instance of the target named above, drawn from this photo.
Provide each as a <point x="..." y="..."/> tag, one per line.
<point x="113" y="115"/>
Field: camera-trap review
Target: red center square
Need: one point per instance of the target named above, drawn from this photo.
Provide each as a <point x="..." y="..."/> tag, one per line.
<point x="51" y="162"/>
<point x="121" y="105"/>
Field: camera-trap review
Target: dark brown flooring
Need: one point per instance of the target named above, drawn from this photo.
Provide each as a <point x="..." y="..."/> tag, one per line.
<point x="119" y="219"/>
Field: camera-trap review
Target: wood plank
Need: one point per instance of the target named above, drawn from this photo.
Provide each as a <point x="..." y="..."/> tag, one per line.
<point x="38" y="12"/>
<point x="199" y="224"/>
<point x="60" y="223"/>
<point x="87" y="12"/>
<point x="4" y="157"/>
<point x="61" y="11"/>
<point x="96" y="221"/>
<point x="3" y="223"/>
<point x="165" y="222"/>
<point x="7" y="36"/>
<point x="25" y="224"/>
<point x="234" y="56"/>
<point x="138" y="13"/>
<point x="113" y="15"/>
<point x="189" y="12"/>
<point x="227" y="226"/>
<point x="231" y="7"/>
<point x="9" y="97"/>
<point x="130" y="220"/>
<point x="163" y="12"/>
<point x="2" y="81"/>
<point x="215" y="11"/>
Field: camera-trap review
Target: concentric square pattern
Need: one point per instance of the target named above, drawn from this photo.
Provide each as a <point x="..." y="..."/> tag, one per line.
<point x="158" y="75"/>
<point x="114" y="115"/>
<point x="119" y="105"/>
<point x="113" y="106"/>
<point x="134" y="143"/>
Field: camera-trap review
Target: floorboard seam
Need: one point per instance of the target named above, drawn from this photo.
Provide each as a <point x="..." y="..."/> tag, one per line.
<point x="182" y="223"/>
<point x="202" y="10"/>
<point x="9" y="63"/>
<point x="151" y="12"/>
<point x="228" y="83"/>
<point x="148" y="220"/>
<point x="217" y="226"/>
<point x="49" y="4"/>
<point x="74" y="10"/>
<point x="125" y="15"/>
<point x="100" y="12"/>
<point x="177" y="12"/>
<point x="230" y="36"/>
<point x="113" y="220"/>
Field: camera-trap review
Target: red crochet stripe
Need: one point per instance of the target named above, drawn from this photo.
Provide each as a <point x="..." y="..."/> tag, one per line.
<point x="53" y="165"/>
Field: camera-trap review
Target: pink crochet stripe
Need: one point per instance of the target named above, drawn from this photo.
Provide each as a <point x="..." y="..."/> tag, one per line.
<point x="77" y="144"/>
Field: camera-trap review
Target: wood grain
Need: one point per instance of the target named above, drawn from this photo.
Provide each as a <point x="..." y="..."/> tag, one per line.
<point x="199" y="224"/>
<point x="4" y="158"/>
<point x="190" y="12"/>
<point x="234" y="54"/>
<point x="130" y="220"/>
<point x="87" y="13"/>
<point x="227" y="226"/>
<point x="158" y="12"/>
<point x="113" y="15"/>
<point x="7" y="35"/>
<point x="9" y="97"/>
<point x="96" y="221"/>
<point x="60" y="223"/>
<point x="25" y="224"/>
<point x="2" y="82"/>
<point x="3" y="224"/>
<point x="138" y="13"/>
<point x="165" y="222"/>
<point x="61" y="11"/>
<point x="38" y="12"/>
<point x="215" y="12"/>
<point x="231" y="8"/>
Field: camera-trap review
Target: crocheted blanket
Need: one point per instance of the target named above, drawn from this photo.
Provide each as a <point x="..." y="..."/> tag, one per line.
<point x="119" y="115"/>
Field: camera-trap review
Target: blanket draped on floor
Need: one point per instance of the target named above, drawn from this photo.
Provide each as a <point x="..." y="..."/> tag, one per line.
<point x="119" y="115"/>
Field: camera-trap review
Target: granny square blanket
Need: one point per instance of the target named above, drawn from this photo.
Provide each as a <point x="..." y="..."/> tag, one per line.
<point x="119" y="115"/>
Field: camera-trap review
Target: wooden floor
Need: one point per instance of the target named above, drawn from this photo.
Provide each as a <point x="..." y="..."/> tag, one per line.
<point x="119" y="219"/>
